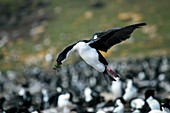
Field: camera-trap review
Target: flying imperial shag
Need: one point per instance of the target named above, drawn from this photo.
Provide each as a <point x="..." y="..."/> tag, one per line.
<point x="103" y="41"/>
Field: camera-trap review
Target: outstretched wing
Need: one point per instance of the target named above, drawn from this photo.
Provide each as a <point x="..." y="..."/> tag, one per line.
<point x="105" y="40"/>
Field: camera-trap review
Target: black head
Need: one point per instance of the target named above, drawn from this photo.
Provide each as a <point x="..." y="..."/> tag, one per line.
<point x="129" y="76"/>
<point x="148" y="93"/>
<point x="59" y="62"/>
<point x="121" y="99"/>
<point x="60" y="58"/>
<point x="166" y="103"/>
<point x="64" y="54"/>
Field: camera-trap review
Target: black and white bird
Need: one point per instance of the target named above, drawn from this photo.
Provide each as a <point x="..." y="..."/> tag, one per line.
<point x="117" y="88"/>
<point x="151" y="100"/>
<point x="119" y="106"/>
<point x="131" y="90"/>
<point x="166" y="105"/>
<point x="165" y="108"/>
<point x="137" y="104"/>
<point x="103" y="41"/>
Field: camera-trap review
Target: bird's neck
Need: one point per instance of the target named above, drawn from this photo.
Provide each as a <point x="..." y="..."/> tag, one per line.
<point x="150" y="98"/>
<point x="130" y="83"/>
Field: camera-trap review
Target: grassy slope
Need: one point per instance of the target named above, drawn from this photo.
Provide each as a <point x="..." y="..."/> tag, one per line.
<point x="72" y="24"/>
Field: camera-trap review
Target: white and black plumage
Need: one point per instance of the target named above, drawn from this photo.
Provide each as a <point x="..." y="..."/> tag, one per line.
<point x="137" y="104"/>
<point x="166" y="105"/>
<point x="151" y="100"/>
<point x="117" y="88"/>
<point x="131" y="90"/>
<point x="120" y="106"/>
<point x="103" y="41"/>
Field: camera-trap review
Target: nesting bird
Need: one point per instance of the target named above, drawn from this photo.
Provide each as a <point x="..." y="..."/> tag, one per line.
<point x="151" y="100"/>
<point x="120" y="106"/>
<point x="166" y="105"/>
<point x="63" y="100"/>
<point x="131" y="89"/>
<point x="117" y="88"/>
<point x="103" y="41"/>
<point x="137" y="104"/>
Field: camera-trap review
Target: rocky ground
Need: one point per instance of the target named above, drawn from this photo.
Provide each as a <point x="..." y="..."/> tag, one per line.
<point x="37" y="90"/>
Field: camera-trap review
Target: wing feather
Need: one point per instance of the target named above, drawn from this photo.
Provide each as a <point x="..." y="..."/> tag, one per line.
<point x="114" y="36"/>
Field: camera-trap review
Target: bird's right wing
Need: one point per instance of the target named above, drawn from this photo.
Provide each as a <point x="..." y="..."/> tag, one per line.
<point x="113" y="36"/>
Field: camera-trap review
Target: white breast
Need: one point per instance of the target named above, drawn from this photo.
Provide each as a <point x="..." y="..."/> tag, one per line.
<point x="90" y="56"/>
<point x="153" y="103"/>
<point x="116" y="88"/>
<point x="130" y="91"/>
<point x="156" y="111"/>
<point x="120" y="108"/>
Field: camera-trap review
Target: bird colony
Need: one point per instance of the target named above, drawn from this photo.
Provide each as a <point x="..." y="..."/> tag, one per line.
<point x="144" y="87"/>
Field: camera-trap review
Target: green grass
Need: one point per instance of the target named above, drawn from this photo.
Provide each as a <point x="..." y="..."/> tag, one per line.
<point x="71" y="25"/>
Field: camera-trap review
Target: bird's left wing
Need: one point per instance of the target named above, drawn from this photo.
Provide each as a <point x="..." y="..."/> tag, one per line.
<point x="105" y="40"/>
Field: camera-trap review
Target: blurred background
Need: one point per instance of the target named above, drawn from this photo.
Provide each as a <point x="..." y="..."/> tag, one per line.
<point x="31" y="31"/>
<point x="34" y="32"/>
